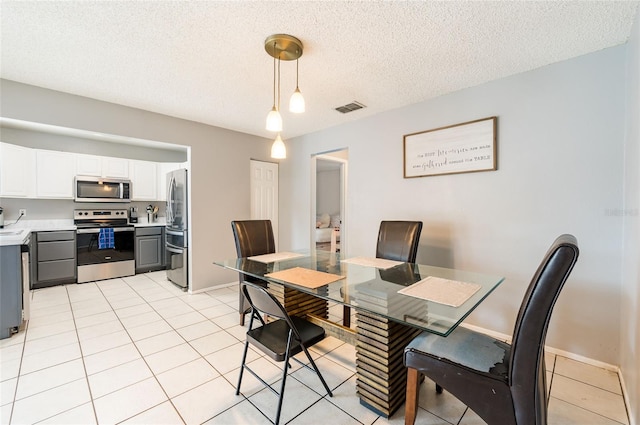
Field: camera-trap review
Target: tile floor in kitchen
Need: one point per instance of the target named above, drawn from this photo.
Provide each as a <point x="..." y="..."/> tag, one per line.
<point x="138" y="350"/>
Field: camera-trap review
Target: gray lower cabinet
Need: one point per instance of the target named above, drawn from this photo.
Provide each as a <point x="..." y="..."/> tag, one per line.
<point x="54" y="261"/>
<point x="10" y="289"/>
<point x="149" y="249"/>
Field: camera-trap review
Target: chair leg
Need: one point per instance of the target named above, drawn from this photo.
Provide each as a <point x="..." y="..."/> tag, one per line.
<point x="284" y="379"/>
<point x="346" y="316"/>
<point x="438" y="389"/>
<point x="326" y="387"/>
<point x="241" y="319"/>
<point x="413" y="391"/>
<point x="244" y="358"/>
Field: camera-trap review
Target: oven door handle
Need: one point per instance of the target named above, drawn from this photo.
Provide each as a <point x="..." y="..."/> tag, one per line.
<point x="115" y="229"/>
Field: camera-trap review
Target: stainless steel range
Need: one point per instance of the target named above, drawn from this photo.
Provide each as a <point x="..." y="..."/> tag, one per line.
<point x="105" y="244"/>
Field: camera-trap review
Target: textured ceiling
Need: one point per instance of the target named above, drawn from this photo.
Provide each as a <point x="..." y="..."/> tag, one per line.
<point x="205" y="61"/>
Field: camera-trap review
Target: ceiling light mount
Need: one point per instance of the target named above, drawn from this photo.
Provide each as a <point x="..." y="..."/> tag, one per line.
<point x="283" y="46"/>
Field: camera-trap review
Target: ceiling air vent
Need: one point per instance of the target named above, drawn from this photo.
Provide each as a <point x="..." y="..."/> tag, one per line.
<point x="350" y="107"/>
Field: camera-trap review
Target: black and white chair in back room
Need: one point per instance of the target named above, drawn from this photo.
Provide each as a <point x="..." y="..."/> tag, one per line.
<point x="252" y="237"/>
<point x="504" y="384"/>
<point x="397" y="240"/>
<point x="281" y="339"/>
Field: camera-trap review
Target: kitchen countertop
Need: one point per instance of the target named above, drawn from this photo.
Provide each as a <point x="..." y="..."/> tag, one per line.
<point x="142" y="222"/>
<point x="43" y="225"/>
<point x="15" y="236"/>
<point x="17" y="233"/>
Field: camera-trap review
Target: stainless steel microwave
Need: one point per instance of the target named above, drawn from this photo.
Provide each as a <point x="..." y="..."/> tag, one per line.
<point x="98" y="189"/>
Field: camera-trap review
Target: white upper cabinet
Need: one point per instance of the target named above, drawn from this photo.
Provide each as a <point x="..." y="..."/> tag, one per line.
<point x="115" y="167"/>
<point x="17" y="171"/>
<point x="102" y="166"/>
<point x="38" y="173"/>
<point x="144" y="180"/>
<point x="88" y="165"/>
<point x="163" y="169"/>
<point x="54" y="174"/>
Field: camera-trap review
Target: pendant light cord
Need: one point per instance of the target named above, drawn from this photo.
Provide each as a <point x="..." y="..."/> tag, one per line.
<point x="274" y="77"/>
<point x="278" y="82"/>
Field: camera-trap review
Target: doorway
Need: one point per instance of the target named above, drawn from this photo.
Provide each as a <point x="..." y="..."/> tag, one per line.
<point x="328" y="201"/>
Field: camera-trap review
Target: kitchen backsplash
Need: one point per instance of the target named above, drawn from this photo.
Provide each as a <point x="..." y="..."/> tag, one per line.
<point x="53" y="209"/>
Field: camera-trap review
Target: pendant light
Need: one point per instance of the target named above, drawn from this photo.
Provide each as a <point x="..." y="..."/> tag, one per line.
<point x="278" y="149"/>
<point x="274" y="119"/>
<point x="288" y="48"/>
<point x="296" y="103"/>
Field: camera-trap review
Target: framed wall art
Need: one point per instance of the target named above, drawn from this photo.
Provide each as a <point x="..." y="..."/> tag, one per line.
<point x="460" y="148"/>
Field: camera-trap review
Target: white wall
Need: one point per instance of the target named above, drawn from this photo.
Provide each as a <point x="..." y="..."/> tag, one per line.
<point x="219" y="161"/>
<point x="560" y="157"/>
<point x="630" y="308"/>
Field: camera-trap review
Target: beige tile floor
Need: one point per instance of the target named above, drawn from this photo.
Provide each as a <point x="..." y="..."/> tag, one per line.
<point x="139" y="351"/>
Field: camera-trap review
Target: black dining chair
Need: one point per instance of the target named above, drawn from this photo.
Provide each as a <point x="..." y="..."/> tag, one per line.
<point x="397" y="240"/>
<point x="280" y="339"/>
<point x="505" y="384"/>
<point x="252" y="237"/>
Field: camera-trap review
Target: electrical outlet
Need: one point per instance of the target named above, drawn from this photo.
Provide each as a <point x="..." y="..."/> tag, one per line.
<point x="23" y="212"/>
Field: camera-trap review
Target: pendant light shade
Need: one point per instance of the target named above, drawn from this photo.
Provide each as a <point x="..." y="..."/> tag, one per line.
<point x="296" y="103"/>
<point x="274" y="120"/>
<point x="278" y="149"/>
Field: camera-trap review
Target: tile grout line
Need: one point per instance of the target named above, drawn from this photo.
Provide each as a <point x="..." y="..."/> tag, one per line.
<point x="142" y="357"/>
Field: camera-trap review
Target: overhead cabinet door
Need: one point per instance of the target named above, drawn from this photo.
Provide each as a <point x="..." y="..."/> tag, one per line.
<point x="17" y="171"/>
<point x="144" y="180"/>
<point x="55" y="172"/>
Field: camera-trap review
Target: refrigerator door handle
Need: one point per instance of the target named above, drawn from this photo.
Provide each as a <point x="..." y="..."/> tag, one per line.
<point x="175" y="232"/>
<point x="174" y="250"/>
<point x="169" y="211"/>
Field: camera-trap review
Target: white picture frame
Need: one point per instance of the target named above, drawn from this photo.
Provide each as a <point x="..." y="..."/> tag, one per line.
<point x="459" y="148"/>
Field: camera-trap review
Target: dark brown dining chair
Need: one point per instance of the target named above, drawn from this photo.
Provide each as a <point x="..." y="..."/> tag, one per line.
<point x="397" y="240"/>
<point x="280" y="339"/>
<point x="252" y="237"/>
<point x="505" y="384"/>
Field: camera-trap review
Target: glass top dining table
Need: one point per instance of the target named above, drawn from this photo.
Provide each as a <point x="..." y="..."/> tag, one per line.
<point x="375" y="290"/>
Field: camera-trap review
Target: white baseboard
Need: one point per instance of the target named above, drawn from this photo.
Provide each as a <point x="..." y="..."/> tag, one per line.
<point x="211" y="288"/>
<point x="627" y="402"/>
<point x="552" y="350"/>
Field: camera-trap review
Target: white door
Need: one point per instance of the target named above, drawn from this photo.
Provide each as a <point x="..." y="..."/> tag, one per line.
<point x="264" y="193"/>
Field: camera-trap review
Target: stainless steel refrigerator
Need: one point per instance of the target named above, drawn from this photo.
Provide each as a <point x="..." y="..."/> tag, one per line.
<point x="177" y="252"/>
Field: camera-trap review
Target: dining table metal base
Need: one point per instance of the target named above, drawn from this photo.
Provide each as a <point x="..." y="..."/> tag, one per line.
<point x="380" y="373"/>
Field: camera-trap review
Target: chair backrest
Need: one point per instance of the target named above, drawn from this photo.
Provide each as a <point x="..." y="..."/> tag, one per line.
<point x="261" y="300"/>
<point x="527" y="376"/>
<point x="398" y="240"/>
<point x="253" y="237"/>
